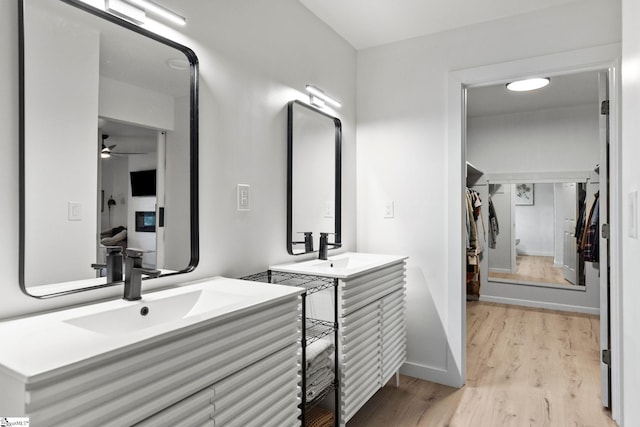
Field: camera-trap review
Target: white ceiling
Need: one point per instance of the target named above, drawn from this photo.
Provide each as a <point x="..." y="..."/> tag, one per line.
<point x="562" y="91"/>
<point x="368" y="23"/>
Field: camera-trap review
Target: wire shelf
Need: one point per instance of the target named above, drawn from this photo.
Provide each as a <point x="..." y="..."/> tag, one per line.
<point x="310" y="282"/>
<point x="324" y="393"/>
<point x="317" y="329"/>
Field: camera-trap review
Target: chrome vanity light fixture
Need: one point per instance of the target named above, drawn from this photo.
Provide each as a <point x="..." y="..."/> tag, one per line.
<point x="528" y="84"/>
<point x="318" y="98"/>
<point x="136" y="11"/>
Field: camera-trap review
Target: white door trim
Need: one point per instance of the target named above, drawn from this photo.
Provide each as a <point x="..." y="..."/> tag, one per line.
<point x="596" y="58"/>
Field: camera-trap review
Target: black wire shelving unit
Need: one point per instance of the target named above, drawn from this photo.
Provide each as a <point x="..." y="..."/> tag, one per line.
<point x="311" y="330"/>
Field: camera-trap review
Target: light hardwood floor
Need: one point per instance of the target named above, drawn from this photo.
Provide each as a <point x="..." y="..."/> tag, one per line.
<point x="533" y="268"/>
<point x="525" y="367"/>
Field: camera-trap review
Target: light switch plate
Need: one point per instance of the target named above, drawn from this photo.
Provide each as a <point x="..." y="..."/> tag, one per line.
<point x="244" y="197"/>
<point x="388" y="209"/>
<point x="74" y="211"/>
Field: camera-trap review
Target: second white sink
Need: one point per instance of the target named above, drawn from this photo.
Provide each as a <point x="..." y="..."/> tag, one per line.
<point x="343" y="266"/>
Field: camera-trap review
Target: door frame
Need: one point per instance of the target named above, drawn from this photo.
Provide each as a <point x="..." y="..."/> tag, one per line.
<point x="590" y="59"/>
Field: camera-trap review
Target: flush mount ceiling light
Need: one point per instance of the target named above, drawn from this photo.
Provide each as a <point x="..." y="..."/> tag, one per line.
<point x="136" y="11"/>
<point x="528" y="84"/>
<point x="318" y="98"/>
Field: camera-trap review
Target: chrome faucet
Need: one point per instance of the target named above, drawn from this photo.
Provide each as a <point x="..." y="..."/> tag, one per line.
<point x="133" y="272"/>
<point x="324" y="244"/>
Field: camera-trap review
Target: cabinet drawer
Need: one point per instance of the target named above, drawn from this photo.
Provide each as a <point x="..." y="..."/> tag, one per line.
<point x="193" y="411"/>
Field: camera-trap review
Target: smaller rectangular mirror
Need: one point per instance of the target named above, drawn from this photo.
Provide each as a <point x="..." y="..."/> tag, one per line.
<point x="314" y="143"/>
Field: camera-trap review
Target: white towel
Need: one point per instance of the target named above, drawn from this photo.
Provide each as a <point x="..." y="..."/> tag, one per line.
<point x="319" y="381"/>
<point x="318" y="365"/>
<point x="318" y="350"/>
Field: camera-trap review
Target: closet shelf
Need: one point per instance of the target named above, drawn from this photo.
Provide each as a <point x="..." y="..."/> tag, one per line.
<point x="473" y="174"/>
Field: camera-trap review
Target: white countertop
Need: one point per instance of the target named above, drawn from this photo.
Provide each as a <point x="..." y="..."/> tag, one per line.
<point x="40" y="344"/>
<point x="342" y="266"/>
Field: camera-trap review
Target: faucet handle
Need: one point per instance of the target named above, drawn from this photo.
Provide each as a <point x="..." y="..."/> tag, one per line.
<point x="113" y="250"/>
<point x="134" y="253"/>
<point x="148" y="271"/>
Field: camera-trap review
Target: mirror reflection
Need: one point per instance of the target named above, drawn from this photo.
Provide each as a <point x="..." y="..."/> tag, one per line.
<point x="314" y="178"/>
<point x="541" y="232"/>
<point x="108" y="145"/>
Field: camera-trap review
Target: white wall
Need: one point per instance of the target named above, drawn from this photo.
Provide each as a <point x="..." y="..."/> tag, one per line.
<point x="500" y="258"/>
<point x="403" y="156"/>
<point x="139" y="239"/>
<point x="535" y="224"/>
<point x="115" y="182"/>
<point x="254" y="57"/>
<point x="549" y="140"/>
<point x="630" y="183"/>
<point x="177" y="242"/>
<point x="125" y="102"/>
<point x="54" y="177"/>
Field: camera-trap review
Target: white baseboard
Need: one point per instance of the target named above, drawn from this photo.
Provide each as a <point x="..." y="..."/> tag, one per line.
<point x="429" y="373"/>
<point x="540" y="304"/>
<point x="535" y="253"/>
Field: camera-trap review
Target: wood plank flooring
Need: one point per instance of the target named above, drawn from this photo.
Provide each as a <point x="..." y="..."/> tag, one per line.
<point x="531" y="268"/>
<point x="525" y="367"/>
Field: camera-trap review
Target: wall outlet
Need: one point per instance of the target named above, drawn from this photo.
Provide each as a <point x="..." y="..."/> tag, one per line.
<point x="74" y="211"/>
<point x="388" y="209"/>
<point x="243" y="197"/>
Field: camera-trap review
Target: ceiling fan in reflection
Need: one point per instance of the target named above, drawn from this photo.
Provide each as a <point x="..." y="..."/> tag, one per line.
<point x="107" y="150"/>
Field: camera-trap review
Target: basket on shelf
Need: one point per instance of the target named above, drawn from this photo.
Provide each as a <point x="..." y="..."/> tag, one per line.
<point x="319" y="417"/>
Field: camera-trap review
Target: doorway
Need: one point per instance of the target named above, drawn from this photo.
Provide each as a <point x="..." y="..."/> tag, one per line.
<point x="553" y="65"/>
<point x="541" y="153"/>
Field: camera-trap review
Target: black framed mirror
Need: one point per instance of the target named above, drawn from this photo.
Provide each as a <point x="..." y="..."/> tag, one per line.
<point x="104" y="107"/>
<point x="314" y="178"/>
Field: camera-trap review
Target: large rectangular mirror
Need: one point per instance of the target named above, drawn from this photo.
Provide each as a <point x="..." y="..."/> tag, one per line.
<point x="542" y="228"/>
<point x="108" y="147"/>
<point x="313" y="178"/>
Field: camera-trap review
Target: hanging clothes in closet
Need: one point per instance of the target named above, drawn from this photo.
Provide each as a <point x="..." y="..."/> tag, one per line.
<point x="588" y="239"/>
<point x="494" y="228"/>
<point x="474" y="242"/>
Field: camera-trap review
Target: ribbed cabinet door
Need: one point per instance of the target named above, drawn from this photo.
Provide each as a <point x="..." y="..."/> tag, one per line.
<point x="372" y="331"/>
<point x="393" y="335"/>
<point x="360" y="358"/>
<point x="264" y="394"/>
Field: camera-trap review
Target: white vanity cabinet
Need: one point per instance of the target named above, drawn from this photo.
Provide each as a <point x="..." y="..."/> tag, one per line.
<point x="372" y="334"/>
<point x="236" y="369"/>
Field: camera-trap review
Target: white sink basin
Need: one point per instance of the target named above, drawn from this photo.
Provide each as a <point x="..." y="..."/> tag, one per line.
<point x="70" y="336"/>
<point x="156" y="310"/>
<point x="343" y="266"/>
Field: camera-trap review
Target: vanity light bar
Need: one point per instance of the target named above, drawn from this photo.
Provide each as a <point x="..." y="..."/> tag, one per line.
<point x="156" y="9"/>
<point x="320" y="95"/>
<point x="126" y="11"/>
